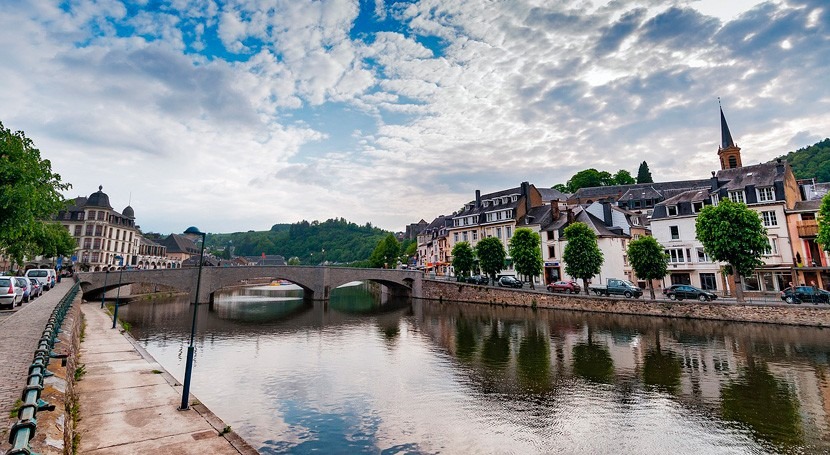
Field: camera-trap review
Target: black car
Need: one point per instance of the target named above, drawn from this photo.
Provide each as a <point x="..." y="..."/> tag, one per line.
<point x="478" y="279"/>
<point x="684" y="291"/>
<point x="509" y="282"/>
<point x="805" y="294"/>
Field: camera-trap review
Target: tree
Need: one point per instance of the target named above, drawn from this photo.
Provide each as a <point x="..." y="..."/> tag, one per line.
<point x="30" y="197"/>
<point x="491" y="255"/>
<point x="294" y="260"/>
<point x="648" y="259"/>
<point x="386" y="253"/>
<point x="586" y="179"/>
<point x="561" y="187"/>
<point x="623" y="177"/>
<point x="525" y="249"/>
<point x="644" y="174"/>
<point x="733" y="233"/>
<point x="463" y="258"/>
<point x="823" y="237"/>
<point x="582" y="255"/>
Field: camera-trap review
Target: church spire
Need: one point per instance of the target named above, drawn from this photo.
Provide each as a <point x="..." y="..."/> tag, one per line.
<point x="729" y="153"/>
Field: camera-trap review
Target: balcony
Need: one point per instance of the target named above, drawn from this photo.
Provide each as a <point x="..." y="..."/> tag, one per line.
<point x="807" y="228"/>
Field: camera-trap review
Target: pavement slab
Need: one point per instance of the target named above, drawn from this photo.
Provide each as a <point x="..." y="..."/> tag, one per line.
<point x="129" y="404"/>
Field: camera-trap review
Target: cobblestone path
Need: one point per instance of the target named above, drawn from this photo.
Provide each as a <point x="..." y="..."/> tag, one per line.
<point x="19" y="336"/>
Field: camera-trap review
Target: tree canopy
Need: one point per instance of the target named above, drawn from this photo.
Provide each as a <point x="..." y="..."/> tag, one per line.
<point x="463" y="258"/>
<point x="30" y="197"/>
<point x="386" y="253"/>
<point x="823" y="237"/>
<point x="491" y="255"/>
<point x="591" y="177"/>
<point x="733" y="233"/>
<point x="644" y="174"/>
<point x="582" y="256"/>
<point x="648" y="259"/>
<point x="525" y="250"/>
<point x="811" y="162"/>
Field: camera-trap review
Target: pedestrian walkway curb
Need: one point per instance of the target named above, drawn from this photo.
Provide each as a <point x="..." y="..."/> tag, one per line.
<point x="128" y="402"/>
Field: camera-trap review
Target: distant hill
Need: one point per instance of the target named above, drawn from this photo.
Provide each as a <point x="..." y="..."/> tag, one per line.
<point x="342" y="241"/>
<point x="812" y="161"/>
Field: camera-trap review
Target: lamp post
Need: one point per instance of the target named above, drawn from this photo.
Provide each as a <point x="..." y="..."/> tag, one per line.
<point x="118" y="294"/>
<point x="104" y="296"/>
<point x="192" y="233"/>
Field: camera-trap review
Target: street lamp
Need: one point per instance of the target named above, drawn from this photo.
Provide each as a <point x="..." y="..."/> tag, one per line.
<point x="104" y="296"/>
<point x="192" y="233"/>
<point x="118" y="294"/>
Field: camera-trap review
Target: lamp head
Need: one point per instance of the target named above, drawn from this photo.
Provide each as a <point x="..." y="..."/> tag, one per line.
<point x="193" y="233"/>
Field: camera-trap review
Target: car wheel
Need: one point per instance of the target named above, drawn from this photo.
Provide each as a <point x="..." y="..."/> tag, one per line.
<point x="570" y="291"/>
<point x="672" y="297"/>
<point x="627" y="294"/>
<point x="789" y="299"/>
<point x="702" y="298"/>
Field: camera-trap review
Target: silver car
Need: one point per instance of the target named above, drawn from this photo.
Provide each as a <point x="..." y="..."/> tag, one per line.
<point x="24" y="289"/>
<point x="8" y="291"/>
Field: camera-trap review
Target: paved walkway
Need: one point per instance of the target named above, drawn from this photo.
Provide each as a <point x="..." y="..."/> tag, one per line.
<point x="129" y="404"/>
<point x="20" y="333"/>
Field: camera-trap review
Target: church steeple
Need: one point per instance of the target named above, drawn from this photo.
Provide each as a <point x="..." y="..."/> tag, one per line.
<point x="729" y="153"/>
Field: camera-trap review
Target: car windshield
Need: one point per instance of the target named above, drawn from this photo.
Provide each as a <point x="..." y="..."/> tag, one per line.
<point x="40" y="273"/>
<point x="5" y="282"/>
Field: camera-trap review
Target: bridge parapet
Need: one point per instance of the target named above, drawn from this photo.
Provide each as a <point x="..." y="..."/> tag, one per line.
<point x="317" y="282"/>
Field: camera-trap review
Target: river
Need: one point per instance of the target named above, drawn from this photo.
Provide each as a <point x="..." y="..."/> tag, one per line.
<point x="355" y="375"/>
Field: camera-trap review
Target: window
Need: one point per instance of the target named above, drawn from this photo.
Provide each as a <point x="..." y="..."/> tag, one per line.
<point x="80" y="216"/>
<point x="550" y="235"/>
<point x="636" y="204"/>
<point x="509" y="232"/>
<point x="498" y="232"/>
<point x="551" y="251"/>
<point x="96" y="244"/>
<point x="77" y="230"/>
<point x="675" y="232"/>
<point x="455" y="237"/>
<point x="769" y="219"/>
<point x="715" y="200"/>
<point x="766" y="194"/>
<point x="772" y="247"/>
<point x="736" y="196"/>
<point x="98" y="231"/>
<point x="672" y="210"/>
<point x="101" y="215"/>
<point x="90" y="229"/>
<point x="514" y="198"/>
<point x="475" y="235"/>
<point x="464" y="235"/>
<point x="697" y="206"/>
<point x="733" y="162"/>
<point x="708" y="282"/>
<point x="676" y="255"/>
<point x="87" y="243"/>
<point x="702" y="256"/>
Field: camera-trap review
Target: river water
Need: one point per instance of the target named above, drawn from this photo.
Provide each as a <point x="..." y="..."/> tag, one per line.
<point x="361" y="375"/>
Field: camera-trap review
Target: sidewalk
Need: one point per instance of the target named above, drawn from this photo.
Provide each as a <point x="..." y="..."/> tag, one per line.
<point x="128" y="403"/>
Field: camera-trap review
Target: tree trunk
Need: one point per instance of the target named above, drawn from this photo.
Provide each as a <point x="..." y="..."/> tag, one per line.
<point x="739" y="292"/>
<point x="651" y="289"/>
<point x="585" y="286"/>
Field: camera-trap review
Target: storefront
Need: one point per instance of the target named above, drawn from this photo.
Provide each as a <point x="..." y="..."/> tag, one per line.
<point x="553" y="271"/>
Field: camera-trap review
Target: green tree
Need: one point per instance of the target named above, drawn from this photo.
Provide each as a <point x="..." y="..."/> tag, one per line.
<point x="294" y="260"/>
<point x="623" y="177"/>
<point x="586" y="179"/>
<point x="30" y="196"/>
<point x="733" y="233"/>
<point x="463" y="258"/>
<point x="648" y="259"/>
<point x="491" y="255"/>
<point x="823" y="237"/>
<point x="386" y="253"/>
<point x="582" y="256"/>
<point x="525" y="249"/>
<point x="644" y="174"/>
<point x="562" y="188"/>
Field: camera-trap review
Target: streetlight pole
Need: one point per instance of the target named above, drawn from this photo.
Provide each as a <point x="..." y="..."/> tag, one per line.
<point x="192" y="232"/>
<point x="104" y="296"/>
<point x="118" y="294"/>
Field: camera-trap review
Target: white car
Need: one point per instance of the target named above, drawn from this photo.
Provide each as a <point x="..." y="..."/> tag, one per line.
<point x="43" y="276"/>
<point x="8" y="291"/>
<point x="24" y="289"/>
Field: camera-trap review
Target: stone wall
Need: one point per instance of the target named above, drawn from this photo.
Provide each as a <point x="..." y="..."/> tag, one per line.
<point x="804" y="315"/>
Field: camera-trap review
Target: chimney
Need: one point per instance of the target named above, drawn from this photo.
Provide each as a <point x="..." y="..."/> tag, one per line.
<point x="554" y="209"/>
<point x="606" y="213"/>
<point x="714" y="181"/>
<point x="570" y="214"/>
<point x="526" y="195"/>
<point x="478" y="198"/>
<point x="779" y="166"/>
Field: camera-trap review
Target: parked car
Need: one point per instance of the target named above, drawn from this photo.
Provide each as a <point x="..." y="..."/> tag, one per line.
<point x="478" y="279"/>
<point x="37" y="289"/>
<point x="8" y="291"/>
<point x="24" y="289"/>
<point x="805" y="294"/>
<point x="41" y="275"/>
<point x="564" y="286"/>
<point x="509" y="282"/>
<point x="685" y="291"/>
<point x="616" y="286"/>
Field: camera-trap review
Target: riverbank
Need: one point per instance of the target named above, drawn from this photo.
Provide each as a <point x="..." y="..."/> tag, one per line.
<point x="128" y="402"/>
<point x="801" y="315"/>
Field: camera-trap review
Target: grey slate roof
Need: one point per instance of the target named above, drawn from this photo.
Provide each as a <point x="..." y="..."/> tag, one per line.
<point x="693" y="195"/>
<point x="177" y="243"/>
<point x="807" y="206"/>
<point x="552" y="194"/>
<point x="595" y="192"/>
<point x="725" y="136"/>
<point x="759" y="175"/>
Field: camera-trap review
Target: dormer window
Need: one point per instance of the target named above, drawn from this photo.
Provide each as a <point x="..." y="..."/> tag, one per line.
<point x="697" y="206"/>
<point x="505" y="199"/>
<point x="715" y="200"/>
<point x="672" y="210"/>
<point x="487" y="203"/>
<point x="737" y="196"/>
<point x="766" y="194"/>
<point x="514" y="198"/>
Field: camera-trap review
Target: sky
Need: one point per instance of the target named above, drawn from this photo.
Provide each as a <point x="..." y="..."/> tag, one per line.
<point x="236" y="115"/>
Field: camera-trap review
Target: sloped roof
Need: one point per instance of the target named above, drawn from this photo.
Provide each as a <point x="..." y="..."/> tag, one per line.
<point x="604" y="191"/>
<point x="807" y="206"/>
<point x="540" y="215"/>
<point x="177" y="243"/>
<point x="759" y="175"/>
<point x="693" y="195"/>
<point x="552" y="194"/>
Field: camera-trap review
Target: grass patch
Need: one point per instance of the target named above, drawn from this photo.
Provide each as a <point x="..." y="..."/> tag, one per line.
<point x="195" y="403"/>
<point x="157" y="372"/>
<point x="79" y="372"/>
<point x="76" y="443"/>
<point x="225" y="430"/>
<point x="16" y="408"/>
<point x="82" y="335"/>
<point x="125" y="325"/>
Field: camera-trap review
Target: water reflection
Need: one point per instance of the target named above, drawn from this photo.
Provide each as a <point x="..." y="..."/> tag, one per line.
<point x="366" y="374"/>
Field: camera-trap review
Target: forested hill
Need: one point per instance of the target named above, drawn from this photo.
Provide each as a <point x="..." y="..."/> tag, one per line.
<point x="342" y="241"/>
<point x="812" y="161"/>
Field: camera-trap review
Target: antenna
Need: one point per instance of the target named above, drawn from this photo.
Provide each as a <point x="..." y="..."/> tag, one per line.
<point x="130" y="200"/>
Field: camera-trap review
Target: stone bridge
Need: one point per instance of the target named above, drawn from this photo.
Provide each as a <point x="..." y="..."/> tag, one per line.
<point x="317" y="282"/>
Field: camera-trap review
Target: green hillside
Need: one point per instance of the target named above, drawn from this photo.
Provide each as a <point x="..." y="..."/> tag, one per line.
<point x="812" y="161"/>
<point x="342" y="241"/>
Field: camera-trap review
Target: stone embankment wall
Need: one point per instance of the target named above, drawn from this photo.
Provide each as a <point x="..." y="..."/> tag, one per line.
<point x="805" y="315"/>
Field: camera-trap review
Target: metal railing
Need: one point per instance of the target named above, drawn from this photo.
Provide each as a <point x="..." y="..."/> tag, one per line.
<point x="23" y="431"/>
